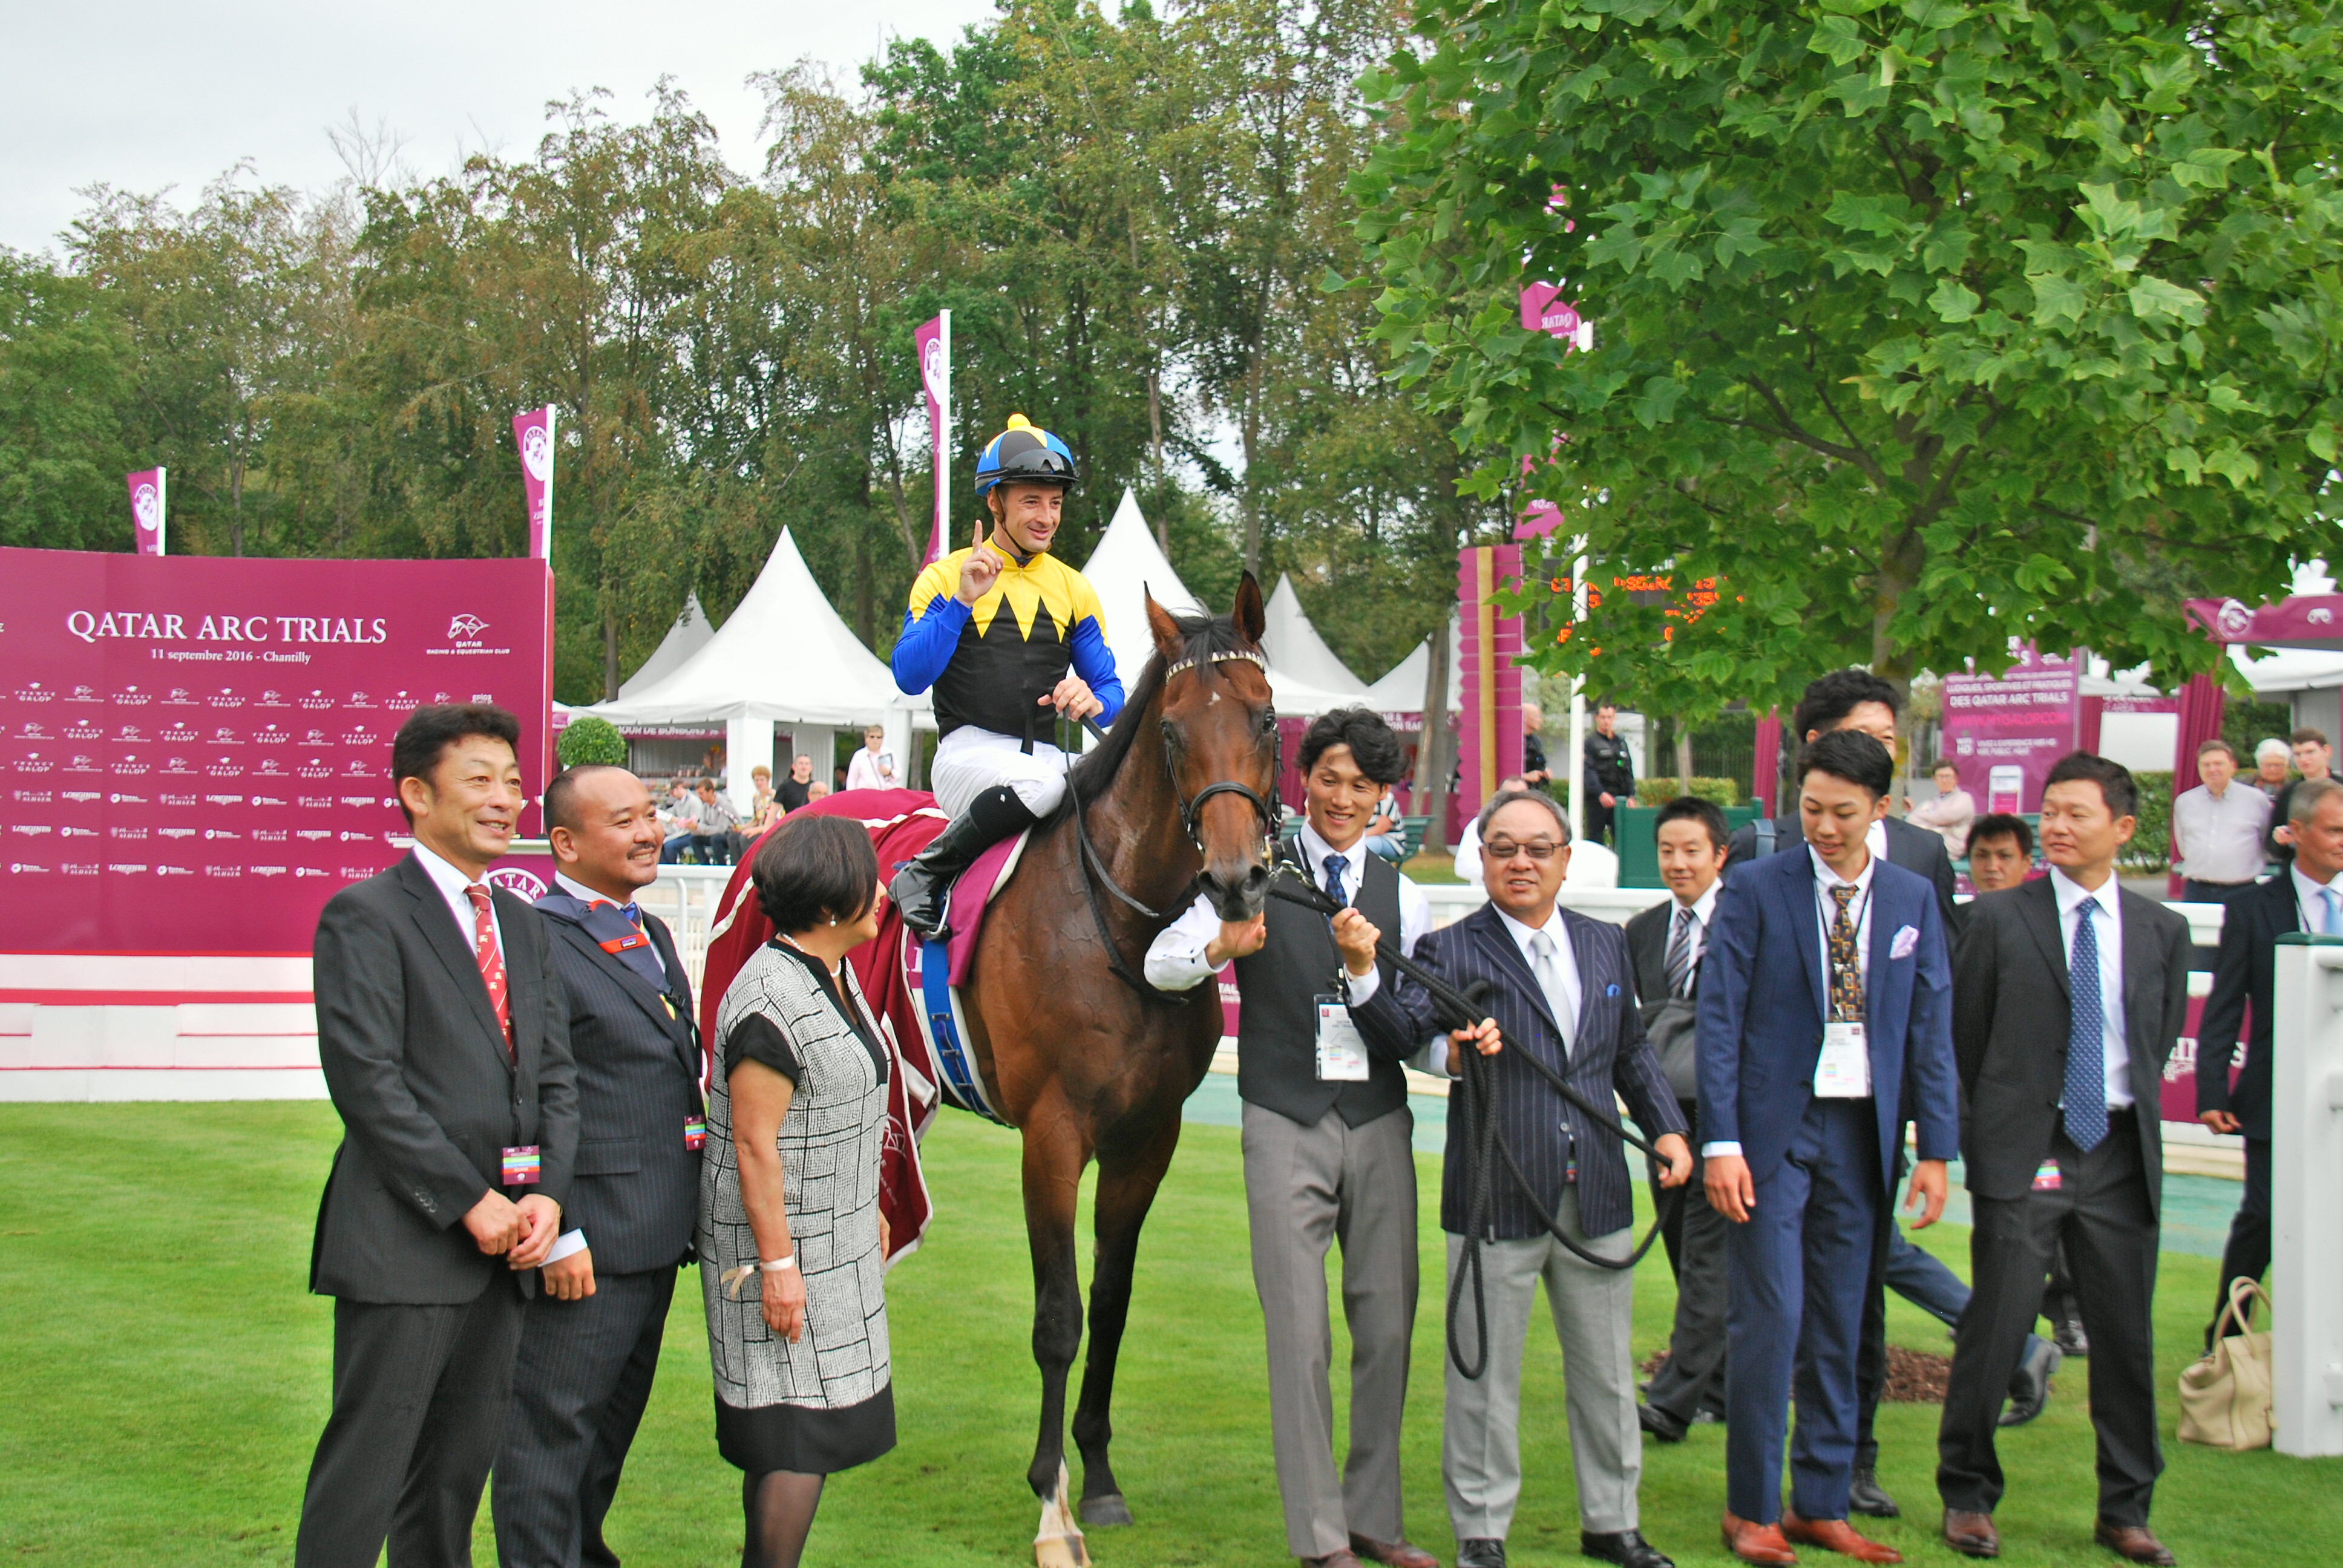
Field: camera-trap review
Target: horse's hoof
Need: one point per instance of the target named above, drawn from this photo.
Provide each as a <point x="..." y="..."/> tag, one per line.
<point x="1107" y="1508"/>
<point x="1061" y="1551"/>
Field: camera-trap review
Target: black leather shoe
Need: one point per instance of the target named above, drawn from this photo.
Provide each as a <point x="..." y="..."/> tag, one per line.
<point x="1659" y="1423"/>
<point x="921" y="888"/>
<point x="1865" y="1496"/>
<point x="1481" y="1553"/>
<point x="2029" y="1391"/>
<point x="1626" y="1547"/>
<point x="2072" y="1341"/>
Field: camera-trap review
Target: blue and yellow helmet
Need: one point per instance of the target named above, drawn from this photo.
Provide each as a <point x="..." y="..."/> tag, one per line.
<point x="1024" y="454"/>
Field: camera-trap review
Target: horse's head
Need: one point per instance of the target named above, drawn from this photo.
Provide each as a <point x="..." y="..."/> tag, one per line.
<point x="1220" y="738"/>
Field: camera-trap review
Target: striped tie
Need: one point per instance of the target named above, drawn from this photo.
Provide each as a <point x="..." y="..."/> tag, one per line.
<point x="491" y="961"/>
<point x="1679" y="960"/>
<point x="2086" y="1045"/>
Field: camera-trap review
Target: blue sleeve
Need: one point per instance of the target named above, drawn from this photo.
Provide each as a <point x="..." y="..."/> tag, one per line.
<point x="1727" y="964"/>
<point x="926" y="643"/>
<point x="1936" y="1082"/>
<point x="1095" y="664"/>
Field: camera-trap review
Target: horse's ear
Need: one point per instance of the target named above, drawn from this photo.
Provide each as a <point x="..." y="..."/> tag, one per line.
<point x="1248" y="616"/>
<point x="1170" y="641"/>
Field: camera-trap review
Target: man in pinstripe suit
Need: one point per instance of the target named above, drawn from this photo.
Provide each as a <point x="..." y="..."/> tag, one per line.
<point x="590" y="1341"/>
<point x="1562" y="990"/>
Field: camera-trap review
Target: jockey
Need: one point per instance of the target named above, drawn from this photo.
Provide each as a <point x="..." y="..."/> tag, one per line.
<point x="994" y="629"/>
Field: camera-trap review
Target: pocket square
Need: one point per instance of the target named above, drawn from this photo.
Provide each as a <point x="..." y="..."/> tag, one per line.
<point x="1906" y="938"/>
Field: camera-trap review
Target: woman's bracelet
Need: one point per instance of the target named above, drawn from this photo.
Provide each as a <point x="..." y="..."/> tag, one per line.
<point x="776" y="1265"/>
<point x="732" y="1279"/>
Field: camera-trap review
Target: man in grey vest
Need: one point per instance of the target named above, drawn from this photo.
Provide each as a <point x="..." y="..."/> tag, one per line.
<point x="1327" y="1148"/>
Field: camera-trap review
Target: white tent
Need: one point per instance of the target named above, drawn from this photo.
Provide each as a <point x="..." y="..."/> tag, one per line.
<point x="1400" y="690"/>
<point x="782" y="656"/>
<point x="1129" y="564"/>
<point x="687" y="637"/>
<point x="1295" y="648"/>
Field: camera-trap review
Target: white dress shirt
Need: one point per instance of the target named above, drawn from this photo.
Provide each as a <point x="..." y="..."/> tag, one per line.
<point x="2220" y="836"/>
<point x="451" y="884"/>
<point x="2109" y="906"/>
<point x="1468" y="853"/>
<point x="2310" y="898"/>
<point x="1825" y="912"/>
<point x="1176" y="960"/>
<point x="869" y="770"/>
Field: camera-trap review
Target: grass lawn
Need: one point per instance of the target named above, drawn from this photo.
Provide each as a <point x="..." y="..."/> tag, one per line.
<point x="166" y="1375"/>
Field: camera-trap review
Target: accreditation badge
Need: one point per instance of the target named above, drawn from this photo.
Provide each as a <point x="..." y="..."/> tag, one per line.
<point x="1844" y="1070"/>
<point x="695" y="1132"/>
<point x="1341" y="1050"/>
<point x="520" y="1165"/>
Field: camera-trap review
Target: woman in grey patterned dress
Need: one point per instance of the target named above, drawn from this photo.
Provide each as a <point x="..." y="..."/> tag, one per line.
<point x="791" y="1243"/>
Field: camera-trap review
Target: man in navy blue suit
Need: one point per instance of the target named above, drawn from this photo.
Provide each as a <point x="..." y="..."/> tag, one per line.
<point x="1561" y="990"/>
<point x="1826" y="991"/>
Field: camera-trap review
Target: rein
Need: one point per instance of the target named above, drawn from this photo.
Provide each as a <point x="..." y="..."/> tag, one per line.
<point x="1463" y="1010"/>
<point x="1093" y="864"/>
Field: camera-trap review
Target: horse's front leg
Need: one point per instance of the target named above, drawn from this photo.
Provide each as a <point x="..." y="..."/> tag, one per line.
<point x="1128" y="1179"/>
<point x="1055" y="1153"/>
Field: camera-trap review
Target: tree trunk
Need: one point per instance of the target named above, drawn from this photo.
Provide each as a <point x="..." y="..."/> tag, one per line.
<point x="1684" y="754"/>
<point x="866" y="612"/>
<point x="1250" y="427"/>
<point x="1431" y="749"/>
<point x="609" y="646"/>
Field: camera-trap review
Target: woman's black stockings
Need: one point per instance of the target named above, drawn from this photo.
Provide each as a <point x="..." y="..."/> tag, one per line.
<point x="779" y="1507"/>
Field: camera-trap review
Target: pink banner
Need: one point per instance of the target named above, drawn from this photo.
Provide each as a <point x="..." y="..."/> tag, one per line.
<point x="2003" y="734"/>
<point x="933" y="341"/>
<point x="147" y="494"/>
<point x="197" y="749"/>
<point x="2303" y="621"/>
<point x="533" y="434"/>
<point x="1544" y="310"/>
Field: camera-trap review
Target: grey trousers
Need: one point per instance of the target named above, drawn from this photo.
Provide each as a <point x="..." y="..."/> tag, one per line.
<point x="1593" y="1312"/>
<point x="1305" y="1188"/>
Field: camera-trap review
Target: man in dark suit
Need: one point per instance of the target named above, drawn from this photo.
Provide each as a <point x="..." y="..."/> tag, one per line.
<point x="2069" y="994"/>
<point x="446" y="1045"/>
<point x="1665" y="943"/>
<point x="1561" y="990"/>
<point x="590" y="1340"/>
<point x="2306" y="897"/>
<point x="1825" y="1000"/>
<point x="1859" y="700"/>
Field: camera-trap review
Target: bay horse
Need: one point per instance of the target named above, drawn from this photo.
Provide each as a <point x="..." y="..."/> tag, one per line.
<point x="1077" y="1053"/>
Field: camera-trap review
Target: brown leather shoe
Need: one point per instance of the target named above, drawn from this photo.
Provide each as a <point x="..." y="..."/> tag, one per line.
<point x="1394" y="1553"/>
<point x="1754" y="1543"/>
<point x="1332" y="1560"/>
<point x="1836" y="1535"/>
<point x="2133" y="1543"/>
<point x="1971" y="1534"/>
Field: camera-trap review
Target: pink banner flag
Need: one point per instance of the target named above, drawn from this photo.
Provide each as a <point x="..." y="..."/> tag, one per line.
<point x="533" y="434"/>
<point x="1544" y="310"/>
<point x="934" y="340"/>
<point x="146" y="509"/>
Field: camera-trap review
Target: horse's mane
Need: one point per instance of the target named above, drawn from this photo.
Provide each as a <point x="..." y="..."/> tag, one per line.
<point x="1201" y="637"/>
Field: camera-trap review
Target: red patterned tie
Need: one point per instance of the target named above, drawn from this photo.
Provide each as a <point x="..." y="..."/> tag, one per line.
<point x="491" y="961"/>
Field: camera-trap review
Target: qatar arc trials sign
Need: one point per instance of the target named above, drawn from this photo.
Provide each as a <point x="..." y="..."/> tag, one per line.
<point x="196" y="749"/>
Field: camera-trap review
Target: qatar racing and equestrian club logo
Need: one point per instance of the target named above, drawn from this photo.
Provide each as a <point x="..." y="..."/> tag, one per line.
<point x="146" y="507"/>
<point x="537" y="453"/>
<point x="935" y="372"/>
<point x="466" y="626"/>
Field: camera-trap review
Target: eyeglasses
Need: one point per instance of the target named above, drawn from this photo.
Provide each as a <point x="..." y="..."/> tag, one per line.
<point x="1536" y="849"/>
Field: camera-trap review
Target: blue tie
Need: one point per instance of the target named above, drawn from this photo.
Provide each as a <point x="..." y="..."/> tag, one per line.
<point x="2087" y="1049"/>
<point x="1335" y="866"/>
<point x="633" y="913"/>
<point x="2334" y="911"/>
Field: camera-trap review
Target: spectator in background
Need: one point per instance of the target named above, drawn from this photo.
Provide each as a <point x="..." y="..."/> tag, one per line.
<point x="2001" y="852"/>
<point x="1533" y="766"/>
<point x="1947" y="815"/>
<point x="760" y="785"/>
<point x="2218" y="826"/>
<point x="678" y="819"/>
<point x="1607" y="770"/>
<point x="2312" y="760"/>
<point x="817" y="790"/>
<point x="791" y="792"/>
<point x="766" y="807"/>
<point x="716" y="830"/>
<point x="2306" y="897"/>
<point x="1387" y="834"/>
<point x="1468" y="842"/>
<point x="873" y="768"/>
<point x="2269" y="769"/>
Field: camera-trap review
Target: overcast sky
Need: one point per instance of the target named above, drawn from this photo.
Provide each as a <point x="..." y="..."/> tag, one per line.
<point x="141" y="94"/>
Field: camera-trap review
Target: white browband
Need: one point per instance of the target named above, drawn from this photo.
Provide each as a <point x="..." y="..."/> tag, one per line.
<point x="1253" y="659"/>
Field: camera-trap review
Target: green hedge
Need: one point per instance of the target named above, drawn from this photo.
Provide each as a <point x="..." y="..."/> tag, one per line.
<point x="1664" y="787"/>
<point x="592" y="742"/>
<point x="2149" y="850"/>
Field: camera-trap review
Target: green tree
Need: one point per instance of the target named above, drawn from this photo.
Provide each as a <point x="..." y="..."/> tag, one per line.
<point x="1924" y="325"/>
<point x="64" y="370"/>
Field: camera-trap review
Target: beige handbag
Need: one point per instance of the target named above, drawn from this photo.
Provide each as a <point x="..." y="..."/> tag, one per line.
<point x="2225" y="1398"/>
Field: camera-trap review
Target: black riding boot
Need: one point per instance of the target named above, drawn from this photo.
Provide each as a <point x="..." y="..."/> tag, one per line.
<point x="919" y="889"/>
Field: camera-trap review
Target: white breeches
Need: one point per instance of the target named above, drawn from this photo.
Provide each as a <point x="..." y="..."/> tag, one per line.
<point x="969" y="760"/>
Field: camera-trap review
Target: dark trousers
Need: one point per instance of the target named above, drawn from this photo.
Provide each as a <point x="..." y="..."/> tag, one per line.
<point x="2102" y="1210"/>
<point x="1598" y="820"/>
<point x="579" y="1386"/>
<point x="2248" y="1254"/>
<point x="1794" y="1314"/>
<point x="419" y="1408"/>
<point x="1692" y="1377"/>
<point x="2196" y="893"/>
